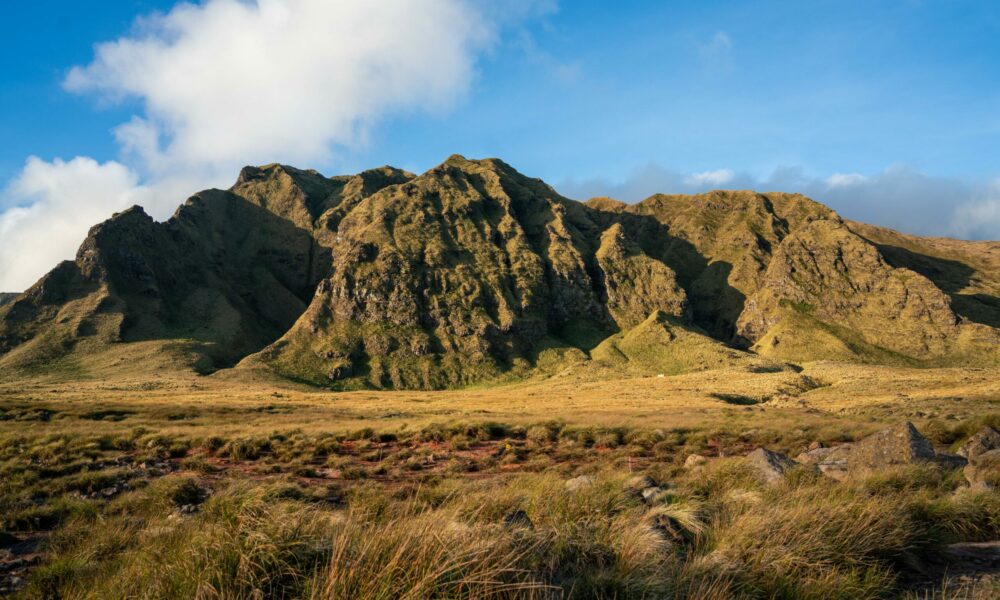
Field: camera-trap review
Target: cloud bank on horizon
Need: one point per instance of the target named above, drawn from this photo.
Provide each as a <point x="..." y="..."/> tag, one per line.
<point x="225" y="83"/>
<point x="899" y="197"/>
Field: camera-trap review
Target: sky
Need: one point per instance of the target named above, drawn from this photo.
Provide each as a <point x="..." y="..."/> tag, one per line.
<point x="886" y="110"/>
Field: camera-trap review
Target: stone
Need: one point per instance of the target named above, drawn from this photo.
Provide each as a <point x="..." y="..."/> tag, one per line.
<point x="694" y="461"/>
<point x="771" y="466"/>
<point x="640" y="483"/>
<point x="579" y="483"/>
<point x="982" y="441"/>
<point x="814" y="455"/>
<point x="985" y="469"/>
<point x="895" y="446"/>
<point x="650" y="494"/>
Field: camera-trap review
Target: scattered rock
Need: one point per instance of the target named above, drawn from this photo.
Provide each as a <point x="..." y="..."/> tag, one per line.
<point x="650" y="494"/>
<point x="899" y="445"/>
<point x="770" y="465"/>
<point x="579" y="483"/>
<point x="640" y="483"/>
<point x="815" y="445"/>
<point x="694" y="461"/>
<point x="985" y="469"/>
<point x="982" y="441"/>
<point x="814" y="456"/>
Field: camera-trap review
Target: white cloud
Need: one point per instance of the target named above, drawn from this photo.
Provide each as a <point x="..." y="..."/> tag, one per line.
<point x="841" y="180"/>
<point x="225" y="83"/>
<point x="980" y="218"/>
<point x="51" y="201"/>
<point x="710" y="178"/>
<point x="229" y="81"/>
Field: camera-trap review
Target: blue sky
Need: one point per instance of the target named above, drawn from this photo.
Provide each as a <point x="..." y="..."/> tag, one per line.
<point x="888" y="110"/>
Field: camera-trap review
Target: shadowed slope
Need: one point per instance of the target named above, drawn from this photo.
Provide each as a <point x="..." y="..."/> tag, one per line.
<point x="969" y="272"/>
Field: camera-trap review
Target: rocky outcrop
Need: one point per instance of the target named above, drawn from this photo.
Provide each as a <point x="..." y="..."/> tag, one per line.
<point x="636" y="285"/>
<point x="7" y="298"/>
<point x="825" y="275"/>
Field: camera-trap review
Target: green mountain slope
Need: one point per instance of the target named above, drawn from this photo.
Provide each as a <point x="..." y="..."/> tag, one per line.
<point x="473" y="272"/>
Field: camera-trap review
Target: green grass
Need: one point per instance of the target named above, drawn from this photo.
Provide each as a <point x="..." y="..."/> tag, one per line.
<point x="406" y="517"/>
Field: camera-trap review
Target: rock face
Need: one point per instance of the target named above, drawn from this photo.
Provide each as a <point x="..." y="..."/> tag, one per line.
<point x="899" y="445"/>
<point x="472" y="271"/>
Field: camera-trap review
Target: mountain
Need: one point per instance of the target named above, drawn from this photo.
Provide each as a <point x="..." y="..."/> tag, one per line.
<point x="7" y="298"/>
<point x="473" y="272"/>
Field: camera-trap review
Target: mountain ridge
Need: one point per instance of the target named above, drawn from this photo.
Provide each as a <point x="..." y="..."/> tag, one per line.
<point x="473" y="272"/>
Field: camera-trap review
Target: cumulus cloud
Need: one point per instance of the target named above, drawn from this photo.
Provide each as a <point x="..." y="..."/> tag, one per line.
<point x="898" y="197"/>
<point x="224" y="83"/>
<point x="52" y="200"/>
<point x="710" y="178"/>
<point x="842" y="180"/>
<point x="232" y="81"/>
<point x="980" y="219"/>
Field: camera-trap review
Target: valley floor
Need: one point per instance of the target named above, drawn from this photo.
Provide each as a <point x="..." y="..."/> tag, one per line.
<point x="181" y="486"/>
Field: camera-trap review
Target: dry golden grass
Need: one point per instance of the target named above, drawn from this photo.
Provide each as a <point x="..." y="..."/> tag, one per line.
<point x="316" y="494"/>
<point x="821" y="392"/>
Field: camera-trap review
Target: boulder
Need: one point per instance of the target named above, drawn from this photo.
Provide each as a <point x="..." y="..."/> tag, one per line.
<point x="832" y="462"/>
<point x="640" y="483"/>
<point x="984" y="470"/>
<point x="579" y="483"/>
<point x="982" y="441"/>
<point x="695" y="460"/>
<point x="899" y="445"/>
<point x="651" y="494"/>
<point x="770" y="465"/>
<point x="814" y="455"/>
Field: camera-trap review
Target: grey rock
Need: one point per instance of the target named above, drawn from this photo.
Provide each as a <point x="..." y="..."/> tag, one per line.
<point x="985" y="469"/>
<point x="695" y="460"/>
<point x="772" y="466"/>
<point x="640" y="482"/>
<point x="579" y="483"/>
<point x="895" y="446"/>
<point x="982" y="441"/>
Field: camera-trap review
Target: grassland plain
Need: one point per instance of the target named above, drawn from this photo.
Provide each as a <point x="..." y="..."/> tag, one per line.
<point x="182" y="486"/>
